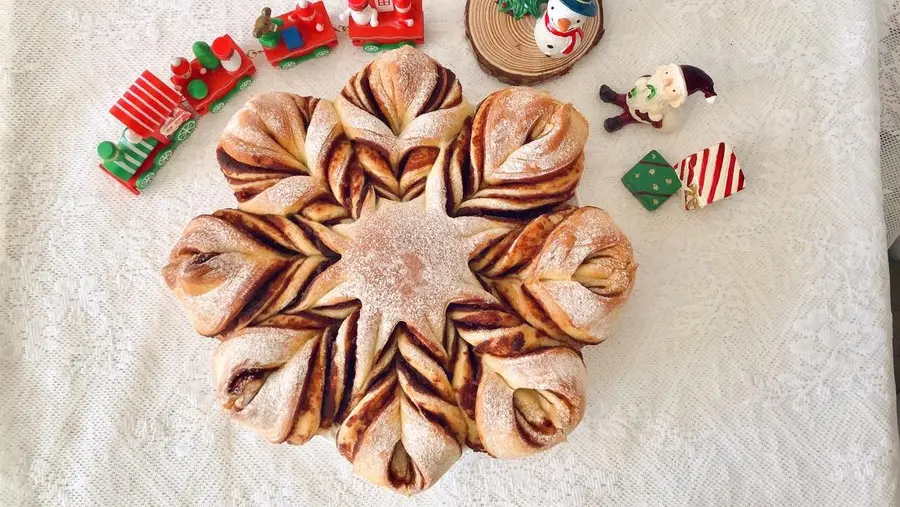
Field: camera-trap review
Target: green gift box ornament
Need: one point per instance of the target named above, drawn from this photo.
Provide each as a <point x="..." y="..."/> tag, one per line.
<point x="652" y="181"/>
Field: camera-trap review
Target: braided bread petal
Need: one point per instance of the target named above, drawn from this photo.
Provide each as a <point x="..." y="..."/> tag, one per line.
<point x="565" y="273"/>
<point x="399" y="111"/>
<point x="491" y="333"/>
<point x="523" y="151"/>
<point x="231" y="269"/>
<point x="530" y="402"/>
<point x="407" y="430"/>
<point x="271" y="379"/>
<point x="283" y="154"/>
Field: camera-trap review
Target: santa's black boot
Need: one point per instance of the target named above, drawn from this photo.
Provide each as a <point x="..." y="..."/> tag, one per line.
<point x="608" y="95"/>
<point x="613" y="124"/>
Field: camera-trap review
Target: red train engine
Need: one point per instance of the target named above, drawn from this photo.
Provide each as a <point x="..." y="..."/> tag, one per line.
<point x="378" y="25"/>
<point x="214" y="76"/>
<point x="296" y="36"/>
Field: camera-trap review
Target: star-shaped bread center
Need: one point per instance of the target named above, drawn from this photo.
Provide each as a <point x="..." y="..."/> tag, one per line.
<point x="408" y="263"/>
<point x="405" y="262"/>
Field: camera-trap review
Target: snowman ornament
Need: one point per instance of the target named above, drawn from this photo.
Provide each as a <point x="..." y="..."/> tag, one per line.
<point x="559" y="31"/>
<point x="361" y="11"/>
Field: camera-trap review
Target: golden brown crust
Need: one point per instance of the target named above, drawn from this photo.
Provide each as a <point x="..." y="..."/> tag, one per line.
<point x="231" y="269"/>
<point x="465" y="333"/>
<point x="283" y="154"/>
<point x="523" y="152"/>
<point x="399" y="111"/>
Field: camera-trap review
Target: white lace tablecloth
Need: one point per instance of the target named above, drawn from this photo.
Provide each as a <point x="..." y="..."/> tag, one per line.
<point x="889" y="76"/>
<point x="751" y="368"/>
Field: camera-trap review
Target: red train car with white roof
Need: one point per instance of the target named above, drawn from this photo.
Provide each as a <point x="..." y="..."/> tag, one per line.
<point x="379" y="25"/>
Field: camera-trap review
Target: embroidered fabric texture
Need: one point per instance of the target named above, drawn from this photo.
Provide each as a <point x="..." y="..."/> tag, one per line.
<point x="752" y="365"/>
<point x="889" y="77"/>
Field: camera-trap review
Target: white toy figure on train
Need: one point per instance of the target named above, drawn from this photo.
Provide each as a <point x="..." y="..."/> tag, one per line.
<point x="361" y="11"/>
<point x="404" y="11"/>
<point x="560" y="30"/>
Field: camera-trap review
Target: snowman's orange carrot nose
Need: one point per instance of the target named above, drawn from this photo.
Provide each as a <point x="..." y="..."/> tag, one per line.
<point x="564" y="24"/>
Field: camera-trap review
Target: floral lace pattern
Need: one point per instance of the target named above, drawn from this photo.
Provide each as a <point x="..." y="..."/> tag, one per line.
<point x="752" y="366"/>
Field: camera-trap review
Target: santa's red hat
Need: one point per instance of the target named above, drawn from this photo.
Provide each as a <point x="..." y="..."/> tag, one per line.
<point x="696" y="80"/>
<point x="402" y="4"/>
<point x="358" y="5"/>
<point x="305" y="10"/>
<point x="180" y="66"/>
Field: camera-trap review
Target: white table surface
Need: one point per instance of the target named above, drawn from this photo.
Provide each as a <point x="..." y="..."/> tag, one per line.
<point x="752" y="366"/>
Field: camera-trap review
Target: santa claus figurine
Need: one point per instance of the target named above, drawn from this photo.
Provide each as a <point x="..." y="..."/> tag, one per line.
<point x="361" y="11"/>
<point x="560" y="29"/>
<point x="655" y="99"/>
<point x="306" y="14"/>
<point x="181" y="72"/>
<point x="404" y="11"/>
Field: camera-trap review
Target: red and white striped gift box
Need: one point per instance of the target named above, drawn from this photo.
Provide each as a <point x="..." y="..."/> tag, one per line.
<point x="710" y="175"/>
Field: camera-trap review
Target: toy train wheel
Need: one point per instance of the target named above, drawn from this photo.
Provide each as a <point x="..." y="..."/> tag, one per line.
<point x="186" y="130"/>
<point x="163" y="157"/>
<point x="288" y="64"/>
<point x="217" y="106"/>
<point x="322" y="52"/>
<point x="370" y="47"/>
<point x="145" y="180"/>
<point x="244" y="83"/>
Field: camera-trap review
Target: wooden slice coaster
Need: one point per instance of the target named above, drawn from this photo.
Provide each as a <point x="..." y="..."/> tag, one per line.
<point x="505" y="46"/>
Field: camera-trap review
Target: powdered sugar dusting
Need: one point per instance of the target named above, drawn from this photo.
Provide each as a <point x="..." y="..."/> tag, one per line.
<point x="407" y="262"/>
<point x="582" y="233"/>
<point x="557" y="371"/>
<point x="212" y="234"/>
<point x="269" y="126"/>
<point x="359" y="124"/>
<point x="510" y="123"/>
<point x="285" y="196"/>
<point x="324" y="127"/>
<point x="213" y="309"/>
<point x="272" y="410"/>
<point x="583" y="308"/>
<point x="436" y="128"/>
<point x="432" y="450"/>
<point x="405" y="80"/>
<point x="374" y="455"/>
<point x="402" y="81"/>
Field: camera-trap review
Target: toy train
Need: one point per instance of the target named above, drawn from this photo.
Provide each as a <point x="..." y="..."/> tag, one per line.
<point x="307" y="32"/>
<point x="296" y="36"/>
<point x="159" y="117"/>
